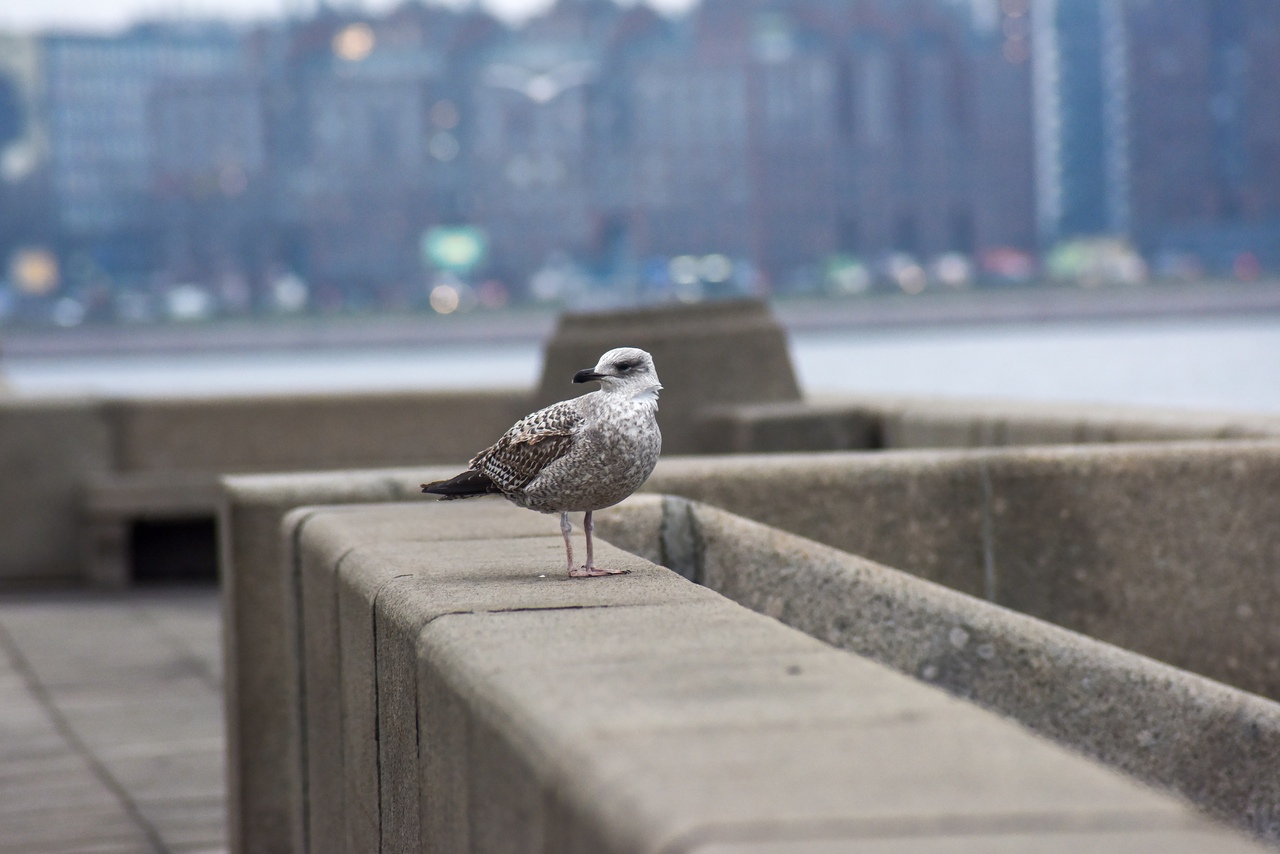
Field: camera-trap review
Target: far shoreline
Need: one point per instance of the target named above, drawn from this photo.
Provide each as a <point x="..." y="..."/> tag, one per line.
<point x="533" y="324"/>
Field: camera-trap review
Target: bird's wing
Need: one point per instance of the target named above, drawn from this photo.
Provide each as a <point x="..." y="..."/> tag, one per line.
<point x="532" y="444"/>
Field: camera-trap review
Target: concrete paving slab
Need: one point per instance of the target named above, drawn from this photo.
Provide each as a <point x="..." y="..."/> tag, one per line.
<point x="177" y="773"/>
<point x="89" y="709"/>
<point x="188" y="822"/>
<point x="184" y="711"/>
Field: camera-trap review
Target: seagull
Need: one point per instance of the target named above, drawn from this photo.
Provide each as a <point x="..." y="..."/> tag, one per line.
<point x="541" y="87"/>
<point x="579" y="455"/>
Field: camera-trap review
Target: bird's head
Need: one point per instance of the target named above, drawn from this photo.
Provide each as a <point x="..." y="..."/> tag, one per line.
<point x="626" y="370"/>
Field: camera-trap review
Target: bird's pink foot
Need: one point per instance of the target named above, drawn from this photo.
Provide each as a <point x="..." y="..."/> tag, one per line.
<point x="595" y="572"/>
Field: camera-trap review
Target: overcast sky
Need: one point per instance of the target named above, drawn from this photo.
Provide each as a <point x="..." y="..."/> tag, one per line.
<point x="107" y="15"/>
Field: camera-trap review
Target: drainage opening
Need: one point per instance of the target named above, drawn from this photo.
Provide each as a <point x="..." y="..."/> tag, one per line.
<point x="175" y="550"/>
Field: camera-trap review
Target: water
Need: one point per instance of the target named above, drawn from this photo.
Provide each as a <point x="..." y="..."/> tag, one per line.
<point x="1212" y="364"/>
<point x="1205" y="364"/>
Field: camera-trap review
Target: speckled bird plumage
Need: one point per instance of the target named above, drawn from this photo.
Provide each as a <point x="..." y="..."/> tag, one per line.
<point x="578" y="455"/>
<point x="582" y="454"/>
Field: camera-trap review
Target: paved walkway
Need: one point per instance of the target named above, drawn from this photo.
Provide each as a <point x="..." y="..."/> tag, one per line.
<point x="111" y="734"/>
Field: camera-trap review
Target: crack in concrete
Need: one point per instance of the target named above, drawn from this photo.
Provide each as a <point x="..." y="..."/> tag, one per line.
<point x="989" y="578"/>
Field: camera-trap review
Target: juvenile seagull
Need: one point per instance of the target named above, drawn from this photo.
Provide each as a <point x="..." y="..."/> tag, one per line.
<point x="578" y="455"/>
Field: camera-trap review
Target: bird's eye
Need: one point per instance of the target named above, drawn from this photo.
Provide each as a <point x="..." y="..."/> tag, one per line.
<point x="624" y="366"/>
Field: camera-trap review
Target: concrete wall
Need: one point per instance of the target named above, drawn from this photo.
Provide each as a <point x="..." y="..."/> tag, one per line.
<point x="77" y="474"/>
<point x="74" y="473"/>
<point x="1170" y="550"/>
<point x="48" y="452"/>
<point x="720" y="353"/>
<point x="1216" y="746"/>
<point x="838" y="423"/>
<point x="461" y="695"/>
<point x="262" y="664"/>
<point x="307" y="432"/>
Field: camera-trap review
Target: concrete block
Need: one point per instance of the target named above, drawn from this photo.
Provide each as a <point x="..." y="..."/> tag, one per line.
<point x="1213" y="744"/>
<point x="301" y="432"/>
<point x="682" y="725"/>
<point x="444" y="775"/>
<point x="788" y="426"/>
<point x="1170" y="551"/>
<point x="1164" y="549"/>
<point x="635" y="526"/>
<point x="954" y="423"/>
<point x="921" y="511"/>
<point x="402" y="563"/>
<point x="112" y="502"/>
<point x="262" y="603"/>
<point x="376" y="551"/>
<point x="707" y="354"/>
<point x="47" y="450"/>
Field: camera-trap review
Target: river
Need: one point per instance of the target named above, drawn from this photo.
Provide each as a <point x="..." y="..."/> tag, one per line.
<point x="1214" y="363"/>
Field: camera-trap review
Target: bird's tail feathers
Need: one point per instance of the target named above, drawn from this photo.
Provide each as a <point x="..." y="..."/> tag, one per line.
<point x="469" y="484"/>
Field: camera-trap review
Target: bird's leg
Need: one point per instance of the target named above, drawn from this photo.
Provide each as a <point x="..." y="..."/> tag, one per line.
<point x="591" y="570"/>
<point x="566" y="529"/>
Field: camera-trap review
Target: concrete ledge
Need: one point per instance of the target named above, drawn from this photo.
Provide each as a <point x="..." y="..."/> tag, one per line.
<point x="1215" y="745"/>
<point x="75" y="472"/>
<point x="261" y="596"/>
<point x="301" y="432"/>
<point x="834" y="423"/>
<point x="730" y="352"/>
<point x="47" y="451"/>
<point x="453" y="665"/>
<point x="1169" y="549"/>
<point x="66" y="461"/>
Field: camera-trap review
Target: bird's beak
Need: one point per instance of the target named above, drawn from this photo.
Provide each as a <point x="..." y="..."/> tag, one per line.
<point x="586" y="376"/>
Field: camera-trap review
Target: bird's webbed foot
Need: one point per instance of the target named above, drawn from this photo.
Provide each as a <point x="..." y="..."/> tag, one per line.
<point x="595" y="572"/>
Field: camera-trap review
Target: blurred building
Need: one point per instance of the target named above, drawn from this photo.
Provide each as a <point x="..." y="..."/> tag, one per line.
<point x="98" y="94"/>
<point x="381" y="111"/>
<point x="793" y="135"/>
<point x="209" y="173"/>
<point x="688" y="137"/>
<point x="1157" y="120"/>
<point x="1205" y="127"/>
<point x="937" y="121"/>
<point x="24" y="219"/>
<point x="1083" y="153"/>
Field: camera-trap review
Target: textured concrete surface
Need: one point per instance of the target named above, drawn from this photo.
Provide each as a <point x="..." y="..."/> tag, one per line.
<point x="1213" y="744"/>
<point x="109" y="462"/>
<point x="75" y="472"/>
<point x="47" y="451"/>
<point x="789" y="426"/>
<point x="869" y="422"/>
<point x="111" y="736"/>
<point x="951" y="423"/>
<point x="388" y="556"/>
<point x="261" y="606"/>
<point x="1166" y="549"/>
<point x="302" y="432"/>
<point x="646" y="714"/>
<point x="706" y="354"/>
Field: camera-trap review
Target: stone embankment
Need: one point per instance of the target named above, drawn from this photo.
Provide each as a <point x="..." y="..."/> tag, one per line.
<point x="1101" y="583"/>
<point x="450" y="690"/>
